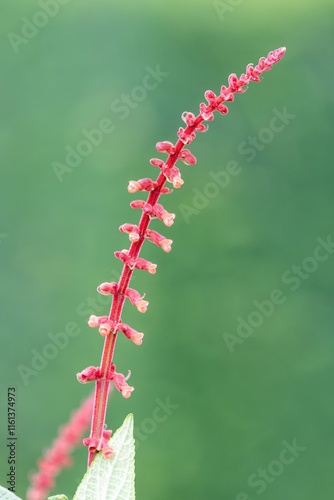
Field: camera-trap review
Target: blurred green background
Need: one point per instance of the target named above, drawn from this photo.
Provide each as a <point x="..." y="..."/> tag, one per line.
<point x="235" y="402"/>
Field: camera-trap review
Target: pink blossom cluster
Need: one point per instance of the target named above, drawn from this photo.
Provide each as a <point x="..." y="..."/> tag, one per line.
<point x="58" y="455"/>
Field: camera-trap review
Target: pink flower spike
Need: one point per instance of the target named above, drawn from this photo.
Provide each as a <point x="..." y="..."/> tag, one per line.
<point x="165" y="147"/>
<point x="131" y="258"/>
<point x="89" y="374"/>
<point x="95" y="321"/>
<point x="107" y="288"/>
<point x="58" y="455"/>
<point x="187" y="157"/>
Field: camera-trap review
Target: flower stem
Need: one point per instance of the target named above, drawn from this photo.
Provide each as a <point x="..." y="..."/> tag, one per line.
<point x="168" y="169"/>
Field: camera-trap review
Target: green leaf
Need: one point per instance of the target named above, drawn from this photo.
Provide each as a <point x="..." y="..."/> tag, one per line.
<point x="58" y="497"/>
<point x="112" y="479"/>
<point x="7" y="495"/>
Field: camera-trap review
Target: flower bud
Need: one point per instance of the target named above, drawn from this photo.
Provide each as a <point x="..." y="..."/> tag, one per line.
<point x="210" y="97"/>
<point x="131" y="334"/>
<point x="165" y="147"/>
<point x="187" y="157"/>
<point x="156" y="162"/>
<point x="166" y="245"/>
<point x="105" y="329"/>
<point x="95" y="321"/>
<point x="89" y="374"/>
<point x="142" y="305"/>
<point x="168" y="219"/>
<point x="185" y="137"/>
<point x="133" y="187"/>
<point x="145" y="265"/>
<point x="121" y="384"/>
<point x="188" y="118"/>
<point x="107" y="452"/>
<point x="206" y="112"/>
<point x="177" y="182"/>
<point x="107" y="288"/>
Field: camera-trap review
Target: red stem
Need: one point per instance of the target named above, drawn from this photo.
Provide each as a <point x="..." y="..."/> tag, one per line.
<point x="102" y="384"/>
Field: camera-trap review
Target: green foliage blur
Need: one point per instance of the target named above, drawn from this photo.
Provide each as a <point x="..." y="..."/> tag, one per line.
<point x="215" y="403"/>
